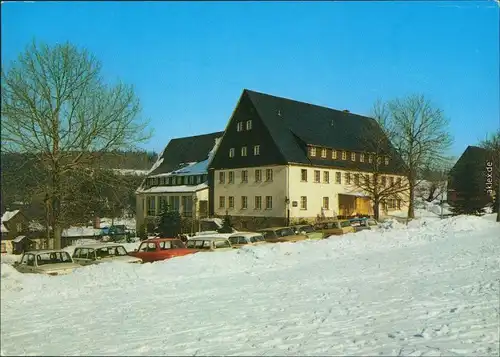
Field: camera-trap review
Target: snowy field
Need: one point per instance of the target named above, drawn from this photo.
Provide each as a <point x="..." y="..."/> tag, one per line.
<point x="428" y="289"/>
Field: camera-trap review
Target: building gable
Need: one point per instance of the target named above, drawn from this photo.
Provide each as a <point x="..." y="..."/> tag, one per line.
<point x="247" y="141"/>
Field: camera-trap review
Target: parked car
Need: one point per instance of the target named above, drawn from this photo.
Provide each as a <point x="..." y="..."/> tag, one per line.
<point x="152" y="250"/>
<point x="97" y="253"/>
<point x="209" y="243"/>
<point x="240" y="239"/>
<point x="308" y="230"/>
<point x="334" y="228"/>
<point x="361" y="224"/>
<point x="281" y="234"/>
<point x="51" y="262"/>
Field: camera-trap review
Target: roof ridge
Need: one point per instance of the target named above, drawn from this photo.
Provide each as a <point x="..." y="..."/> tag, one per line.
<point x="306" y="103"/>
<point x="196" y="136"/>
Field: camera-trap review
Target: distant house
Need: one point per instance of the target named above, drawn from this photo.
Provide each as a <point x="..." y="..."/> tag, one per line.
<point x="178" y="179"/>
<point x="14" y="228"/>
<point x="282" y="160"/>
<point x="472" y="176"/>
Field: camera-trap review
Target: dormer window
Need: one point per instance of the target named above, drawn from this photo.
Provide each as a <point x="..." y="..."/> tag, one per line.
<point x="370" y="158"/>
<point x="323" y="153"/>
<point x="344" y="155"/>
<point x="256" y="150"/>
<point x="243" y="151"/>
<point x="239" y="126"/>
<point x="353" y="156"/>
<point x="334" y="154"/>
<point x="387" y="161"/>
<point x="231" y="152"/>
<point x="313" y="151"/>
<point x="249" y="125"/>
<point x="361" y="157"/>
<point x="179" y="180"/>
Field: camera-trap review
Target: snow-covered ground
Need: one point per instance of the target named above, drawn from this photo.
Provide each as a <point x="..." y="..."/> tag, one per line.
<point x="430" y="288"/>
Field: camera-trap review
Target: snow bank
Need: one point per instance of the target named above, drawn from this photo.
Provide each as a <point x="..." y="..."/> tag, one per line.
<point x="10" y="258"/>
<point x="429" y="288"/>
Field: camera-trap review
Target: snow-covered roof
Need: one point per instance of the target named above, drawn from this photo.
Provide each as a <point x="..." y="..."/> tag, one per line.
<point x="3" y="229"/>
<point x="18" y="239"/>
<point x="192" y="168"/>
<point x="8" y="215"/>
<point x="167" y="189"/>
<point x="131" y="172"/>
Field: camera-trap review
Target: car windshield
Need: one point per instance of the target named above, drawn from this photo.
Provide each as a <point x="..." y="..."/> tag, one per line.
<point x="283" y="232"/>
<point x="53" y="258"/>
<point x="307" y="229"/>
<point x="345" y="224"/>
<point x="113" y="251"/>
<point x="257" y="238"/>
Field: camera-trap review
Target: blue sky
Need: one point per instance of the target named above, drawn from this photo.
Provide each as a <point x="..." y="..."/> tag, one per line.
<point x="189" y="62"/>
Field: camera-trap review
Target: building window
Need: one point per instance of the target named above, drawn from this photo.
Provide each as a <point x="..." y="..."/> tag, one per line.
<point x="361" y="157"/>
<point x="334" y="154"/>
<point x="151" y="202"/>
<point x="326" y="203"/>
<point x="185" y="180"/>
<point x="249" y="124"/>
<point x="384" y="181"/>
<point x="326" y="177"/>
<point x="191" y="180"/>
<point x="398" y="181"/>
<point x="379" y="160"/>
<point x="338" y="177"/>
<point x="344" y="155"/>
<point x="256" y="150"/>
<point x="19" y="227"/>
<point x="269" y="202"/>
<point x="391" y="181"/>
<point x="387" y="161"/>
<point x="198" y="179"/>
<point x="231" y="152"/>
<point x="303" y="175"/>
<point x="244" y="202"/>
<point x="230" y="178"/>
<point x="323" y="153"/>
<point x="230" y="202"/>
<point x="244" y="176"/>
<point x="222" y="201"/>
<point x="313" y="151"/>
<point x="243" y="151"/>
<point x="239" y="126"/>
<point x="258" y="202"/>
<point x="303" y="202"/>
<point x="347" y="176"/>
<point x="370" y="158"/>
<point x="222" y="177"/>
<point x="258" y="175"/>
<point x="269" y="175"/>
<point x="356" y="179"/>
<point x="317" y="176"/>
<point x="399" y="204"/>
<point x="353" y="156"/>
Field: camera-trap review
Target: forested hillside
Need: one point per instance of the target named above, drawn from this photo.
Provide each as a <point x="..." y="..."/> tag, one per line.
<point x="106" y="193"/>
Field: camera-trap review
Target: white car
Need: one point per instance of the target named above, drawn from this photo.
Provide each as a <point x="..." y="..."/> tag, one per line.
<point x="51" y="262"/>
<point x="97" y="253"/>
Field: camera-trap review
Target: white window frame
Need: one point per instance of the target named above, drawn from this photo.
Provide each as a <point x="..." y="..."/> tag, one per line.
<point x="249" y="124"/>
<point x="326" y="177"/>
<point x="230" y="202"/>
<point x="313" y="151"/>
<point x="231" y="152"/>
<point x="256" y="150"/>
<point x="269" y="175"/>
<point x="222" y="201"/>
<point x="244" y="176"/>
<point x="243" y="151"/>
<point x="244" y="202"/>
<point x="344" y="155"/>
<point x="258" y="199"/>
<point x="239" y="126"/>
<point x="317" y="176"/>
<point x="269" y="202"/>
<point x="302" y="171"/>
<point x="323" y="153"/>
<point x="222" y="177"/>
<point x="303" y="203"/>
<point x="326" y="200"/>
<point x="361" y="157"/>
<point x="258" y="175"/>
<point x="334" y="154"/>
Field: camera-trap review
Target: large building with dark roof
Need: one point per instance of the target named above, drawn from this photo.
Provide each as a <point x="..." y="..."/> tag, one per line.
<point x="179" y="178"/>
<point x="281" y="161"/>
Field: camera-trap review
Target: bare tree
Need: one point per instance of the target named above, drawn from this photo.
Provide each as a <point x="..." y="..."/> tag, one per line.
<point x="56" y="106"/>
<point x="492" y="144"/>
<point x="419" y="132"/>
<point x="382" y="170"/>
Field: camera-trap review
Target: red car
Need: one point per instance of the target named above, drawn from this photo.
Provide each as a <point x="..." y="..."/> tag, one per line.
<point x="152" y="250"/>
